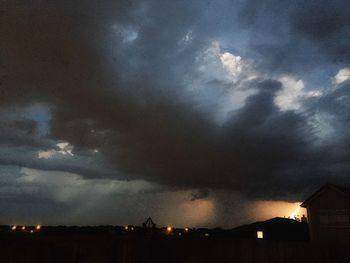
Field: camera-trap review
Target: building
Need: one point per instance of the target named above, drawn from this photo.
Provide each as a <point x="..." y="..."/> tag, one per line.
<point x="277" y="228"/>
<point x="328" y="212"/>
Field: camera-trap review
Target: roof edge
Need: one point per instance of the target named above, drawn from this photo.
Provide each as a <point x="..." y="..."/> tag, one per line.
<point x="341" y="189"/>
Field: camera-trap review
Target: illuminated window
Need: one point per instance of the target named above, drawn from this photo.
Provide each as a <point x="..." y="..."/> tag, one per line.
<point x="260" y="234"/>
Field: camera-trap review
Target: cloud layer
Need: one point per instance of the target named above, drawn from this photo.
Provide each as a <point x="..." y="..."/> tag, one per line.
<point x="245" y="99"/>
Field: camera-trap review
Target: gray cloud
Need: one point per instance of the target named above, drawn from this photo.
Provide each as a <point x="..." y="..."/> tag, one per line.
<point x="126" y="85"/>
<point x="299" y="37"/>
<point x="200" y="194"/>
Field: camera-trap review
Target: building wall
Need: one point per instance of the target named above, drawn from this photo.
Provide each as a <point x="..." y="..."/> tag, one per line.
<point x="329" y="216"/>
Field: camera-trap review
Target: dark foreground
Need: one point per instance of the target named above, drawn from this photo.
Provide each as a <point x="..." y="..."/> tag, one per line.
<point x="101" y="248"/>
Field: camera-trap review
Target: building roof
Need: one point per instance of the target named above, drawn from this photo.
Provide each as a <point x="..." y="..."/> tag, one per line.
<point x="337" y="188"/>
<point x="277" y="228"/>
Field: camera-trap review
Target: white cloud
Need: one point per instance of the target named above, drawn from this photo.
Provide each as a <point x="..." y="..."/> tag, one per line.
<point x="46" y="154"/>
<point x="223" y="79"/>
<point x="65" y="148"/>
<point x="292" y="94"/>
<point x="228" y="76"/>
<point x="233" y="65"/>
<point x="342" y="75"/>
<point x="223" y="66"/>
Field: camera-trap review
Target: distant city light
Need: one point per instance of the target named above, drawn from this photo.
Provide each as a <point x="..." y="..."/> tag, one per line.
<point x="260" y="234"/>
<point x="206" y="234"/>
<point x="31" y="231"/>
<point x="23" y="228"/>
<point x="169" y="229"/>
<point x="180" y="234"/>
<point x="126" y="227"/>
<point x="186" y="229"/>
<point x="38" y="227"/>
<point x="14" y="228"/>
<point x="132" y="228"/>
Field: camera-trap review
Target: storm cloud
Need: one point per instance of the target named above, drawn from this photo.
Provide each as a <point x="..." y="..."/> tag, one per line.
<point x="245" y="99"/>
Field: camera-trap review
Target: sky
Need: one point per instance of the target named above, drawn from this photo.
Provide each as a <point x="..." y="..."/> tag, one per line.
<point x="196" y="113"/>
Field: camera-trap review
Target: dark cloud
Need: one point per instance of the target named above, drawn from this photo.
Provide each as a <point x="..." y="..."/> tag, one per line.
<point x="115" y="81"/>
<point x="299" y="36"/>
<point x="200" y="194"/>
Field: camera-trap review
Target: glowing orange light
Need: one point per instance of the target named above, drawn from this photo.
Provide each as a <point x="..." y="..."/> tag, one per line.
<point x="13" y="227"/>
<point x="263" y="210"/>
<point x="23" y="228"/>
<point x="186" y="229"/>
<point x="38" y="227"/>
<point x="169" y="229"/>
<point x="295" y="213"/>
<point x="126" y="227"/>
